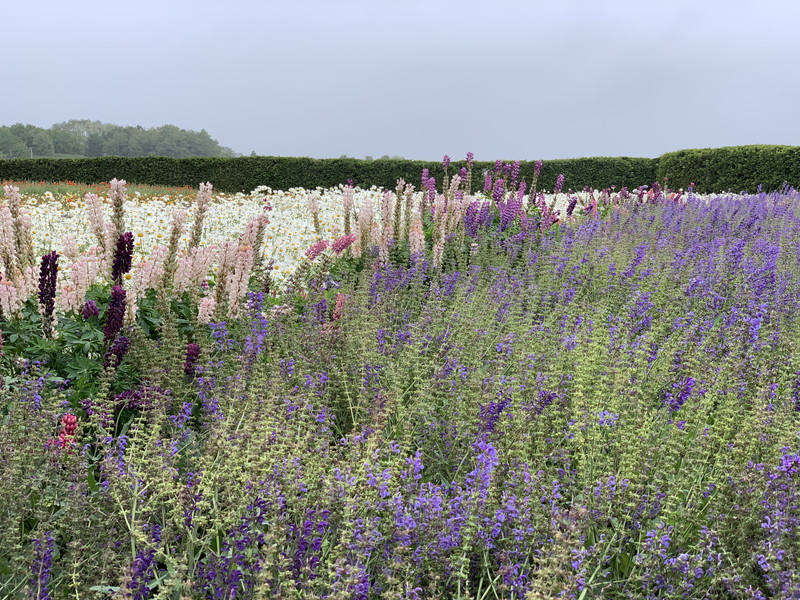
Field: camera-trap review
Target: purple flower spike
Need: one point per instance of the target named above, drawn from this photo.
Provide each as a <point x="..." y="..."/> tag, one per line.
<point x="123" y="256"/>
<point x="118" y="350"/>
<point x="114" y="315"/>
<point x="192" y="354"/>
<point x="90" y="309"/>
<point x="47" y="290"/>
<point x="559" y="183"/>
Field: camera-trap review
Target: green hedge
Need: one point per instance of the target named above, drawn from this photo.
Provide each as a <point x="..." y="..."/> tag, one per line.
<point x="732" y="169"/>
<point x="243" y="174"/>
<point x="740" y="168"/>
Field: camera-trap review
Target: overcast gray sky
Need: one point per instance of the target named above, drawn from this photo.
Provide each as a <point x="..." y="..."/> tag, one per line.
<point x="503" y="79"/>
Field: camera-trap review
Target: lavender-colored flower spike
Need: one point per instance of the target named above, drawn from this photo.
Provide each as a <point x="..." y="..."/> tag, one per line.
<point x="42" y="565"/>
<point x="559" y="183"/>
<point x="487" y="182"/>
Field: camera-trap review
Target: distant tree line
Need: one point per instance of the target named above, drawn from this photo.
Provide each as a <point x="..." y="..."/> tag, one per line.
<point x="84" y="138"/>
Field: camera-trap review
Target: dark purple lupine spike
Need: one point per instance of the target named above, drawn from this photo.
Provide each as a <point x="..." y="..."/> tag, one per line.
<point x="47" y="290"/>
<point x="118" y="350"/>
<point x="90" y="309"/>
<point x="192" y="354"/>
<point x="571" y="206"/>
<point x="123" y="256"/>
<point x="114" y="315"/>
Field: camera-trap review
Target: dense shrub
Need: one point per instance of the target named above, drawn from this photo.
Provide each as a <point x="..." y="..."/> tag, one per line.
<point x="735" y="169"/>
<point x="246" y="173"/>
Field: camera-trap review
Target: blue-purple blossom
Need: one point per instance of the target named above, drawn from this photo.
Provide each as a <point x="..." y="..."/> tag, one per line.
<point x="681" y="391"/>
<point x="44" y="548"/>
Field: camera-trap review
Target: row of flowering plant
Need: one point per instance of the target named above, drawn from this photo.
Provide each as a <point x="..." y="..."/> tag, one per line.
<point x="454" y="393"/>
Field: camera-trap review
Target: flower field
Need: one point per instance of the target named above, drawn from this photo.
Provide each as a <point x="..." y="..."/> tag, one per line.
<point x="425" y="392"/>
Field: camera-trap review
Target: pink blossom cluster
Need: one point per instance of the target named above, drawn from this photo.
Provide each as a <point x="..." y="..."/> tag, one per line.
<point x="14" y="292"/>
<point x="238" y="278"/>
<point x="193" y="268"/>
<point x="66" y="437"/>
<point x="316" y="249"/>
<point x="7" y="240"/>
<point x="341" y="244"/>
<point x="206" y="310"/>
<point x="82" y="274"/>
<point x="97" y="220"/>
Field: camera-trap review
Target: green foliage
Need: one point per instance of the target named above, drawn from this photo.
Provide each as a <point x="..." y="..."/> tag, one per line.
<point x="80" y="137"/>
<point x="75" y="356"/>
<point x="733" y="169"/>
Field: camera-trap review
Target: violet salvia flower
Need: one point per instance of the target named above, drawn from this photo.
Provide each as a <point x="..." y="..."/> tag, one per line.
<point x="219" y="331"/>
<point x="90" y="309"/>
<point x="42" y="564"/>
<point x="255" y="342"/>
<point x="123" y="255"/>
<point x="607" y="419"/>
<point x="114" y="315"/>
<point x="508" y="212"/>
<point x="47" y="291"/>
<point x="675" y="400"/>
<point x="143" y="569"/>
<point x="490" y="413"/>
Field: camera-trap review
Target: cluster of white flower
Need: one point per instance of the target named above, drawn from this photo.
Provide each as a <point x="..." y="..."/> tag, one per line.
<point x="287" y="236"/>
